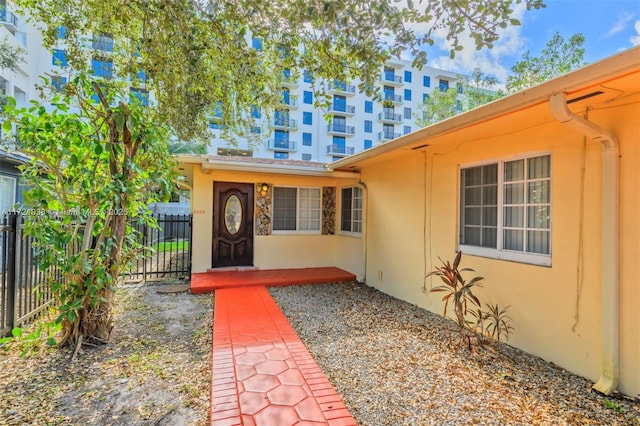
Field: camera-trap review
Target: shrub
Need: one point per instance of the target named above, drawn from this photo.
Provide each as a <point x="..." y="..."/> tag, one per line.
<point x="459" y="292"/>
<point x="493" y="322"/>
<point x="499" y="323"/>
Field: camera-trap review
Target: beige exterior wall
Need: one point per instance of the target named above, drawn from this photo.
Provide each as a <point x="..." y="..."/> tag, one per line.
<point x="629" y="248"/>
<point x="273" y="251"/>
<point x="413" y="216"/>
<point x="411" y="205"/>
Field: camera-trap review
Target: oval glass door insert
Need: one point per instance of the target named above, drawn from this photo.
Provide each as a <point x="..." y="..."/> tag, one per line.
<point x="233" y="214"/>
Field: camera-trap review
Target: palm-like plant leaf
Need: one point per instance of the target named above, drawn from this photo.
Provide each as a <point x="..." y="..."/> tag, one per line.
<point x="457" y="291"/>
<point x="474" y="281"/>
<point x="494" y="322"/>
<point x="456" y="262"/>
<point x="499" y="322"/>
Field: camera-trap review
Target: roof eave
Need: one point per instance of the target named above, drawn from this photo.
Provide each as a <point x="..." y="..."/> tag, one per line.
<point x="238" y="166"/>
<point x="190" y="158"/>
<point x="597" y="73"/>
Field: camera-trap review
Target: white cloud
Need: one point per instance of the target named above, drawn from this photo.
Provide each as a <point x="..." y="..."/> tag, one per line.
<point x="489" y="61"/>
<point x="635" y="39"/>
<point x="623" y="19"/>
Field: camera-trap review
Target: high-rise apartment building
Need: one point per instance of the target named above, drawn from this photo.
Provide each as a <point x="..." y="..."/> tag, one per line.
<point x="18" y="33"/>
<point x="20" y="84"/>
<point x="299" y="130"/>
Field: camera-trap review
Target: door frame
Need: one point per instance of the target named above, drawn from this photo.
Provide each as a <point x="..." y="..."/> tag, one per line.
<point x="248" y="219"/>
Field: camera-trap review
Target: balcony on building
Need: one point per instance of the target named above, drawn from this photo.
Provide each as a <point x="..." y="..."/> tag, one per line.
<point x="285" y="123"/>
<point x="288" y="79"/>
<point x="446" y="80"/>
<point x="215" y="122"/>
<point x="340" y="150"/>
<point x="337" y="129"/>
<point x="342" y="88"/>
<point x="290" y="102"/>
<point x="393" y="98"/>
<point x="102" y="42"/>
<point x="395" y="63"/>
<point x="387" y="136"/>
<point x="281" y="145"/>
<point x="391" y="79"/>
<point x="9" y="19"/>
<point x="342" y="109"/>
<point x="390" y="117"/>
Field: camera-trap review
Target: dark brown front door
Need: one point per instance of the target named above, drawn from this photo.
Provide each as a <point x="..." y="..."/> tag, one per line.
<point x="232" y="224"/>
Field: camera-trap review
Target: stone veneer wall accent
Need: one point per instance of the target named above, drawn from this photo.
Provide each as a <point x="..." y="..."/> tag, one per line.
<point x="263" y="210"/>
<point x="328" y="210"/>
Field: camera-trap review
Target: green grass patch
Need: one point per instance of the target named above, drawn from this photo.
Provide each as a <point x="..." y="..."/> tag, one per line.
<point x="167" y="246"/>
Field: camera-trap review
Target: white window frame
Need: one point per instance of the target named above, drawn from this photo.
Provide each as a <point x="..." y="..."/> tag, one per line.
<point x="298" y="231"/>
<point x="499" y="252"/>
<point x="351" y="232"/>
<point x="14" y="195"/>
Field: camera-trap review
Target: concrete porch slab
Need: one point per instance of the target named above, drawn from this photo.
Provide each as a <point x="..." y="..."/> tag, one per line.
<point x="207" y="282"/>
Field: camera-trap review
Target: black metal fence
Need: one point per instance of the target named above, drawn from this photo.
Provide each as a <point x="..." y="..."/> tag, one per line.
<point x="170" y="242"/>
<point x="24" y="288"/>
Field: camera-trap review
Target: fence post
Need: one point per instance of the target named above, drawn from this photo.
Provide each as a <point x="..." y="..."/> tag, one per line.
<point x="12" y="314"/>
<point x="145" y="238"/>
<point x="190" y="243"/>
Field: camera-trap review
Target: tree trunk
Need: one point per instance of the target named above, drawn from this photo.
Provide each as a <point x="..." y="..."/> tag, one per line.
<point x="97" y="322"/>
<point x="94" y="323"/>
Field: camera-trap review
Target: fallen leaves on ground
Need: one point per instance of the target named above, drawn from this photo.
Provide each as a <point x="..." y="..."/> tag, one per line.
<point x="156" y="368"/>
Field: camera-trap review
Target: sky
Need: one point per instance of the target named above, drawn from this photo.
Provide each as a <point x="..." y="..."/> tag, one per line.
<point x="609" y="27"/>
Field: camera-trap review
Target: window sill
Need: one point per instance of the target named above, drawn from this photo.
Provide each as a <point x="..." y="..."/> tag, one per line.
<point x="350" y="234"/>
<point x="296" y="233"/>
<point x="509" y="256"/>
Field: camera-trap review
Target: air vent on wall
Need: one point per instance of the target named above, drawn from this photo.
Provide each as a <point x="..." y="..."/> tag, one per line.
<point x="583" y="97"/>
<point x="420" y="146"/>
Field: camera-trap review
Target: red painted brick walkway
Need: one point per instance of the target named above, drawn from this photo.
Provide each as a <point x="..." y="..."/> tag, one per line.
<point x="262" y="373"/>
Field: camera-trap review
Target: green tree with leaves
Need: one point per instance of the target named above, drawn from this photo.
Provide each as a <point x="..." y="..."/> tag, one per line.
<point x="184" y="147"/>
<point x="558" y="57"/>
<point x="480" y="89"/>
<point x="438" y="106"/>
<point x="96" y="162"/>
<point x="199" y="58"/>
<point x="470" y="93"/>
<point x="198" y="62"/>
<point x="10" y="58"/>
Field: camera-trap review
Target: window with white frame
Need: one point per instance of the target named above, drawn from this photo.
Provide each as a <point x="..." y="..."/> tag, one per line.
<point x="505" y="209"/>
<point x="296" y="209"/>
<point x="7" y="193"/>
<point x="351" y="210"/>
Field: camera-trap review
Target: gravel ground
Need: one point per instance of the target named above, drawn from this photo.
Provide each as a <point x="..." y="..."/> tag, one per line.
<point x="394" y="363"/>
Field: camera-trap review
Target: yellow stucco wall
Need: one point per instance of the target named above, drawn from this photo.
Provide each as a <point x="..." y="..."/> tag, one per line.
<point x="413" y="216"/>
<point x="273" y="251"/>
<point x="629" y="248"/>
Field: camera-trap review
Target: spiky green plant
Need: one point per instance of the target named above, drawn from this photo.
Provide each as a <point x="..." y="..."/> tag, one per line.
<point x="499" y="323"/>
<point x="457" y="291"/>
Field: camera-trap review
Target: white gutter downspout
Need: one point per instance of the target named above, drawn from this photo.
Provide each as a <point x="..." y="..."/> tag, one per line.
<point x="364" y="229"/>
<point x="608" y="382"/>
